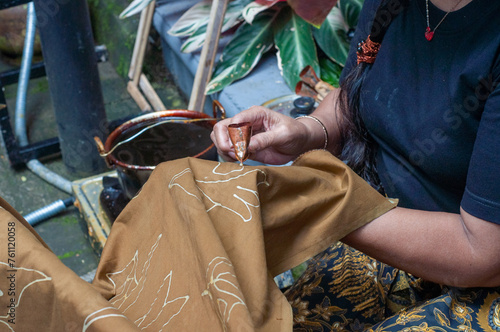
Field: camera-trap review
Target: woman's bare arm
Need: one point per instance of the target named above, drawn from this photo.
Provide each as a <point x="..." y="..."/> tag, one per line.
<point x="453" y="249"/>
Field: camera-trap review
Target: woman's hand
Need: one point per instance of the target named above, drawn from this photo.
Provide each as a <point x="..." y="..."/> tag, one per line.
<point x="277" y="138"/>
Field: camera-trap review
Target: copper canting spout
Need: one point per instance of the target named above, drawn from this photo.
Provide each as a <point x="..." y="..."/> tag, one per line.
<point x="240" y="134"/>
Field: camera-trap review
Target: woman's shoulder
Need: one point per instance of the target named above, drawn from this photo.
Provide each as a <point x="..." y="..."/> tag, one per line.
<point x="388" y="8"/>
<point x="366" y="16"/>
<point x="370" y="8"/>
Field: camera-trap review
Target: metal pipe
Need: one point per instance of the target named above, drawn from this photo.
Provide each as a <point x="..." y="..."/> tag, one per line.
<point x="20" y="113"/>
<point x="24" y="74"/>
<point x="48" y="211"/>
<point x="20" y="128"/>
<point x="74" y="83"/>
<point x="53" y="178"/>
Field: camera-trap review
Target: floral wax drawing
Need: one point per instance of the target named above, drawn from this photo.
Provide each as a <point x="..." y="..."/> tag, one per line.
<point x="240" y="134"/>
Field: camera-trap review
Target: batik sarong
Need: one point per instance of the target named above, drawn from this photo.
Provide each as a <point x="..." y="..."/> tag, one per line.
<point x="343" y="289"/>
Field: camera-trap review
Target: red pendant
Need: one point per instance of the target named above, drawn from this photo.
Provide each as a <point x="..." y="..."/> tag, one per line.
<point x="429" y="34"/>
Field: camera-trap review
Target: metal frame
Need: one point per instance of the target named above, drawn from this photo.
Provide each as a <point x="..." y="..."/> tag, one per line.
<point x="11" y="3"/>
<point x="19" y="156"/>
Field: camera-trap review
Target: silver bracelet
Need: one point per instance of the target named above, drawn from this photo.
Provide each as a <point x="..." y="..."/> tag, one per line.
<point x="320" y="123"/>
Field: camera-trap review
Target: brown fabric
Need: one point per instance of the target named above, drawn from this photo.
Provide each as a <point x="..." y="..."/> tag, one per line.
<point x="196" y="250"/>
<point x="19" y="217"/>
<point x="38" y="292"/>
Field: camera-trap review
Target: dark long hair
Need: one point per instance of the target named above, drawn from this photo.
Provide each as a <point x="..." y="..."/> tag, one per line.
<point x="358" y="150"/>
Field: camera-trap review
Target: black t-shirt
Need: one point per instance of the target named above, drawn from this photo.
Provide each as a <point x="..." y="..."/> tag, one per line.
<point x="433" y="107"/>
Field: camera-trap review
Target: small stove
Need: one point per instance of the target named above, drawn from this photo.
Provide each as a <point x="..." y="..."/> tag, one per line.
<point x="100" y="200"/>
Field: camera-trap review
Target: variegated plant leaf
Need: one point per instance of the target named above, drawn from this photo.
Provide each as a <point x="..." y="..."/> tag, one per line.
<point x="243" y="52"/>
<point x="198" y="16"/>
<point x="195" y="41"/>
<point x="350" y="10"/>
<point x="256" y="7"/>
<point x="251" y="10"/>
<point x="314" y="12"/>
<point x="330" y="71"/>
<point x="296" y="48"/>
<point x="237" y="7"/>
<point x="331" y="37"/>
<point x="135" y="7"/>
<point x="192" y="19"/>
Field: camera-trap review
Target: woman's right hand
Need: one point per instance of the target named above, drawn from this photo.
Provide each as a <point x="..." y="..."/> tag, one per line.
<point x="277" y="138"/>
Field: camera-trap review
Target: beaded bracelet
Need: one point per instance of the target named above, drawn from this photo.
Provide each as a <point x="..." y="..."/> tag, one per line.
<point x="320" y="123"/>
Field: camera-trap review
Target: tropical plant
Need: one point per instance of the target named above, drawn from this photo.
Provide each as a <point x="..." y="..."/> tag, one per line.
<point x="303" y="32"/>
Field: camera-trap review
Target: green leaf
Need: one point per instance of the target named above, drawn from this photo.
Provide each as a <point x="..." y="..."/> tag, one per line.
<point x="198" y="36"/>
<point x="198" y="16"/>
<point x="192" y="19"/>
<point x="135" y="7"/>
<point x="195" y="41"/>
<point x="330" y="71"/>
<point x="237" y="7"/>
<point x="253" y="9"/>
<point x="296" y="48"/>
<point x="331" y="37"/>
<point x="350" y="10"/>
<point x="243" y="52"/>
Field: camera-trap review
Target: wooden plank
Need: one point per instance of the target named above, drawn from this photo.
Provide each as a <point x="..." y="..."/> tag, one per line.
<point x="136" y="94"/>
<point x="208" y="54"/>
<point x="137" y="79"/>
<point x="141" y="42"/>
<point x="150" y="94"/>
<point x="137" y="44"/>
